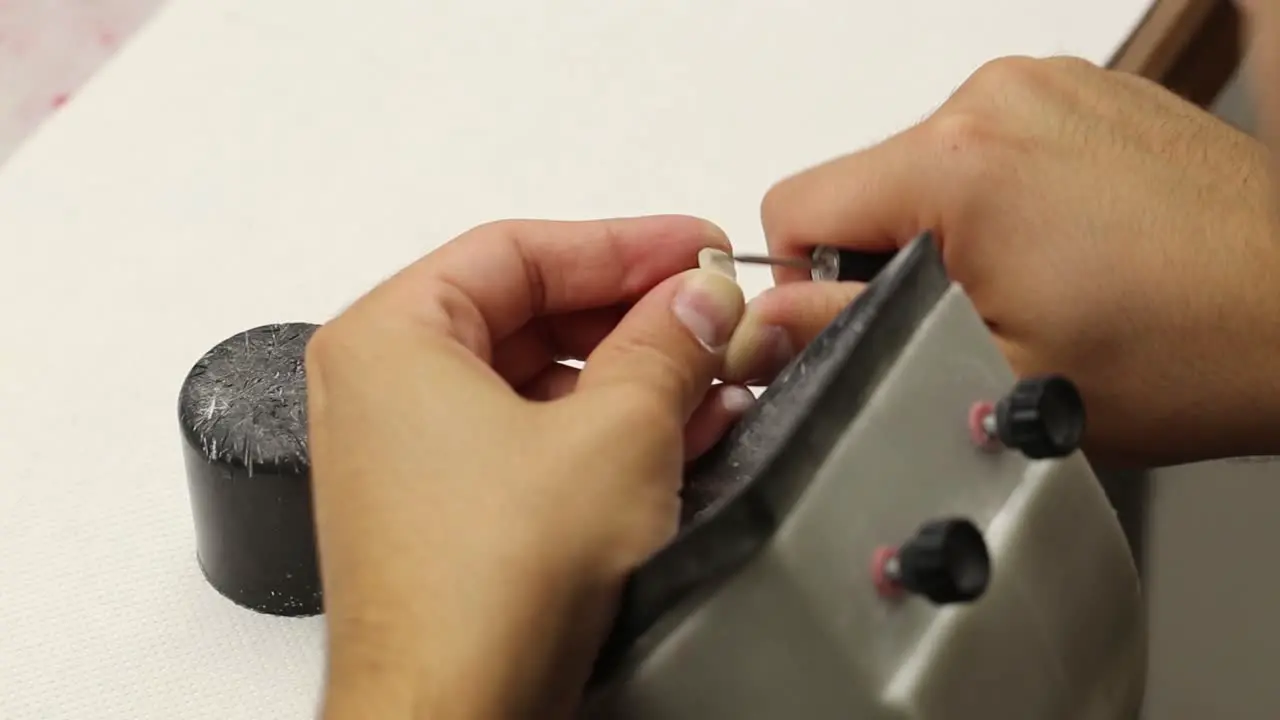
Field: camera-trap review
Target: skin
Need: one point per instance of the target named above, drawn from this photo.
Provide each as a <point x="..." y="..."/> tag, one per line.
<point x="479" y="506"/>
<point x="1103" y="228"/>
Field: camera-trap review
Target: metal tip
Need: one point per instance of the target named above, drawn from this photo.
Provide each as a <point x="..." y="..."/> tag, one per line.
<point x="797" y="263"/>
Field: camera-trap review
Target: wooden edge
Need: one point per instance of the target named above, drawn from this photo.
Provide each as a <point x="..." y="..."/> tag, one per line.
<point x="1191" y="47"/>
<point x="1166" y="31"/>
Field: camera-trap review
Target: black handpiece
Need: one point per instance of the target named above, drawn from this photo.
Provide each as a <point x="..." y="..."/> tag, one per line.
<point x="834" y="264"/>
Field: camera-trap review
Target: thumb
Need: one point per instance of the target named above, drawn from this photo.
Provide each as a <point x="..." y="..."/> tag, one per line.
<point x="671" y="344"/>
<point x="778" y="323"/>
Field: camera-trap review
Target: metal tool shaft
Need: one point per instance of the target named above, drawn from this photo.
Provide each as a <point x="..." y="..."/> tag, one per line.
<point x="797" y="263"/>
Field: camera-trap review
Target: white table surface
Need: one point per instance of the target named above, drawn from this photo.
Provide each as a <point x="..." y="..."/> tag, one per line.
<point x="243" y="162"/>
<point x="48" y="48"/>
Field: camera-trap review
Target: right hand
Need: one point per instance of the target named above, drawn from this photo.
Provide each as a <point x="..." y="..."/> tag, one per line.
<point x="1103" y="228"/>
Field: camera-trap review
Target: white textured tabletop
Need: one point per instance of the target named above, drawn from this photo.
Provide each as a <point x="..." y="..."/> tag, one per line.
<point x="244" y="162"/>
<point x="48" y="48"/>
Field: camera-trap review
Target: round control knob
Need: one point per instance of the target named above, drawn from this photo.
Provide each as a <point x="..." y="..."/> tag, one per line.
<point x="1042" y="417"/>
<point x="946" y="561"/>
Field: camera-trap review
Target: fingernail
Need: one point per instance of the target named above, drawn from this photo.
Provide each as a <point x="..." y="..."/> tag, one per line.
<point x="710" y="305"/>
<point x="757" y="351"/>
<point x="717" y="260"/>
<point x="737" y="399"/>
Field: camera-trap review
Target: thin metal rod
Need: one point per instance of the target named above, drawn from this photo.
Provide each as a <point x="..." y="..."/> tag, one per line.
<point x="798" y="263"/>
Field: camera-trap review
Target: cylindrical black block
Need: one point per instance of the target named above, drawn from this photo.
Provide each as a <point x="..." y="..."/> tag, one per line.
<point x="243" y="415"/>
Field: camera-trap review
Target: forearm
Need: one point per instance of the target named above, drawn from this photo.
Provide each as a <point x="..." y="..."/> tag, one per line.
<point x="467" y="683"/>
<point x="385" y="693"/>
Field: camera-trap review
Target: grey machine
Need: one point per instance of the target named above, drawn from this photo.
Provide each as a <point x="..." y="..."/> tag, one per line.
<point x="900" y="529"/>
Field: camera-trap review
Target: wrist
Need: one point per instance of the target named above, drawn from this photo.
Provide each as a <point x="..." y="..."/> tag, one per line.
<point x="522" y="649"/>
<point x="1251" y="405"/>
<point x="1223" y="338"/>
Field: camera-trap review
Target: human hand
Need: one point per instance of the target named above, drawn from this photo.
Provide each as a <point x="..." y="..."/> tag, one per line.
<point x="1103" y="228"/>
<point x="478" y="505"/>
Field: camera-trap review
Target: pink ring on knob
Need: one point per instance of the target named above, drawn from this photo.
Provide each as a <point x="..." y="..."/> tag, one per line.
<point x="979" y="412"/>
<point x="885" y="585"/>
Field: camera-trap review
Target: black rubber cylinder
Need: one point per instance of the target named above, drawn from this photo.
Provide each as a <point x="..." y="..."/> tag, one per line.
<point x="242" y="410"/>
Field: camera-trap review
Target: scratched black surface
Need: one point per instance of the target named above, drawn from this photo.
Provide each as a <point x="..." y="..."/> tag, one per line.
<point x="244" y="401"/>
<point x="242" y="415"/>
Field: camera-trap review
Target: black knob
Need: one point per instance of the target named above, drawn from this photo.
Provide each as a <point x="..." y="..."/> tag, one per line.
<point x="1042" y="417"/>
<point x="946" y="562"/>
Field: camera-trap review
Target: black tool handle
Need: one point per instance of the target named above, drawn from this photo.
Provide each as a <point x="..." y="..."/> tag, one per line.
<point x="830" y="263"/>
<point x="859" y="266"/>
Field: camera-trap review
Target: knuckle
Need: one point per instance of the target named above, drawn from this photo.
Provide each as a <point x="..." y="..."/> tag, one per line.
<point x="1006" y="73"/>
<point x="1070" y="63"/>
<point x="322" y="347"/>
<point x="321" y="355"/>
<point x="494" y="233"/>
<point x="775" y="207"/>
<point x="980" y="157"/>
<point x="1021" y="82"/>
<point x="336" y="343"/>
<point x="1009" y="86"/>
<point x="964" y="132"/>
<point x="674" y="370"/>
<point x="640" y="409"/>
<point x="672" y="373"/>
<point x="496" y="228"/>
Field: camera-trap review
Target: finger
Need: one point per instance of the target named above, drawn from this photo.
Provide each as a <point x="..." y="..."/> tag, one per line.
<point x="873" y="200"/>
<point x="488" y="282"/>
<point x="778" y="323"/>
<point x="529" y="350"/>
<point x="554" y="382"/>
<point x="669" y="347"/>
<point x="720" y="409"/>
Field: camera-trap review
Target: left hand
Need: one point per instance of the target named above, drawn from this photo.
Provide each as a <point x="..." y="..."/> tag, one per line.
<point x="478" y="504"/>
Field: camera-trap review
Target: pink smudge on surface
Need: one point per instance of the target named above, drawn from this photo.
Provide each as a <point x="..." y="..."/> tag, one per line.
<point x="49" y="49"/>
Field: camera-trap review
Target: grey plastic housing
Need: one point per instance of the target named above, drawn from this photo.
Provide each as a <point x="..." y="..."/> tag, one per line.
<point x="764" y="607"/>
